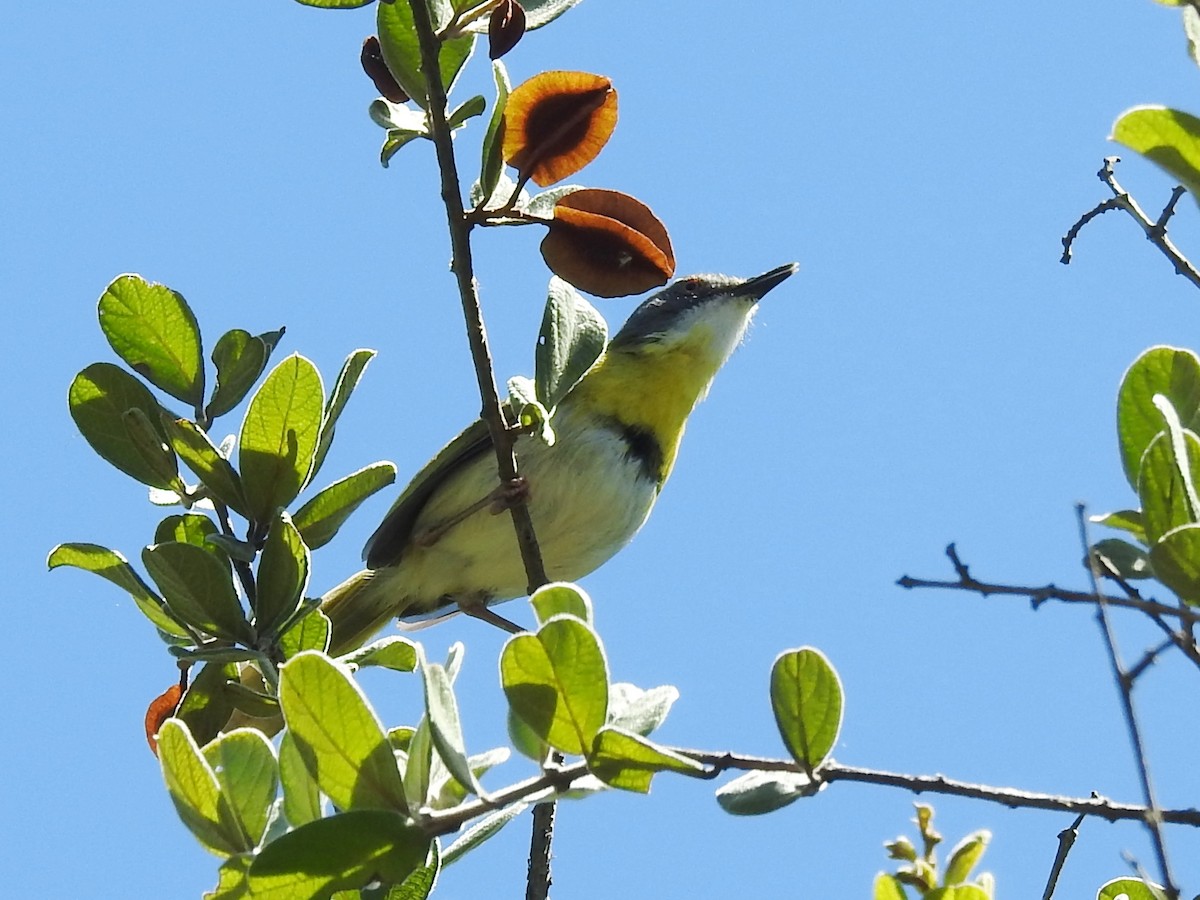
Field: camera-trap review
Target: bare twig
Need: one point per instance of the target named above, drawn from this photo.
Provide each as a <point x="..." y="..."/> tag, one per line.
<point x="1066" y="840"/>
<point x="560" y="778"/>
<point x="1039" y="594"/>
<point x="537" y="881"/>
<point x="1155" y="229"/>
<point x="1125" y="679"/>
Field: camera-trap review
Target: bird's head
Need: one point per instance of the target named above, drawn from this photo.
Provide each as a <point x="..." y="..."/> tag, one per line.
<point x="701" y="317"/>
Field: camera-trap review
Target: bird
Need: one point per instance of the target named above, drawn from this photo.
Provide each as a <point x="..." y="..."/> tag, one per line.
<point x="442" y="548"/>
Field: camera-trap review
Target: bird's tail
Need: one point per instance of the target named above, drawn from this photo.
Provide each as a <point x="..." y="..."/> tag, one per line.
<point x="357" y="608"/>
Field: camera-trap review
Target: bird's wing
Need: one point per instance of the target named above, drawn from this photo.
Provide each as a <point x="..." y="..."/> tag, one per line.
<point x="386" y="546"/>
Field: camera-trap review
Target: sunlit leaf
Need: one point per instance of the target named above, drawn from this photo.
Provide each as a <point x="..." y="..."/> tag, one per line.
<point x="196" y="793"/>
<point x="348" y="378"/>
<point x="480" y="831"/>
<point x="153" y="329"/>
<point x="756" y="793"/>
<point x="240" y="358"/>
<point x="571" y="339"/>
<point x="1172" y="372"/>
<point x="319" y="519"/>
<point x="561" y="597"/>
<point x="349" y="850"/>
<point x="98" y="399"/>
<point x="628" y="761"/>
<point x="279" y="436"/>
<point x="198" y="589"/>
<point x="203" y="457"/>
<point x="556" y="680"/>
<point x="244" y="763"/>
<point x="282" y="575"/>
<point x="338" y="731"/>
<point x="806" y="697"/>
<point x="1169" y="138"/>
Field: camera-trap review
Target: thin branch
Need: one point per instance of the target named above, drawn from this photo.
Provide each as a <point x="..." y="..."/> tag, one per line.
<point x="537" y="881"/>
<point x="502" y="435"/>
<point x="1124" y="681"/>
<point x="1041" y="593"/>
<point x="1066" y="840"/>
<point x="1155" y="229"/>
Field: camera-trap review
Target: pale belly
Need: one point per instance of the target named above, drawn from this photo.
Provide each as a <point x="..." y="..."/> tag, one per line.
<point x="587" y="498"/>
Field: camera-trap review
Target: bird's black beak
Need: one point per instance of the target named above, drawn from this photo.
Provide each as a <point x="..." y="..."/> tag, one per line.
<point x="758" y="286"/>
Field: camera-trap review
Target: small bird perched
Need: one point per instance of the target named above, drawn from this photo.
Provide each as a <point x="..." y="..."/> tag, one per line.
<point x="441" y="549"/>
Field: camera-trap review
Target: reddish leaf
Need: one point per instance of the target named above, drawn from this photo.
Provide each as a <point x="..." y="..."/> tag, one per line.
<point x="558" y="122"/>
<point x="161" y="708"/>
<point x="379" y="73"/>
<point x="608" y="244"/>
<point x="505" y="28"/>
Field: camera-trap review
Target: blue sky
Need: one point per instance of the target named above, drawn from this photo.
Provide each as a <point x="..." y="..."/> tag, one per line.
<point x="931" y="374"/>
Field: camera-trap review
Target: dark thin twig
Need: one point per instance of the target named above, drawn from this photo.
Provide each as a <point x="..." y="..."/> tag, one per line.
<point x="1041" y="593"/>
<point x="1066" y="840"/>
<point x="537" y="881"/>
<point x="1124" y="679"/>
<point x="1154" y="229"/>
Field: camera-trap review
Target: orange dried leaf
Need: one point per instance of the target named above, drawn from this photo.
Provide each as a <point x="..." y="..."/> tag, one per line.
<point x="161" y="708"/>
<point x="608" y="244"/>
<point x="556" y="123"/>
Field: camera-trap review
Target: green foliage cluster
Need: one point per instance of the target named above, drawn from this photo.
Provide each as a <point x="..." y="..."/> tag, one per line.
<point x="921" y="873"/>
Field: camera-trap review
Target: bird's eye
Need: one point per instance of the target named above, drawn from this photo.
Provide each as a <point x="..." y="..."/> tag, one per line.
<point x="691" y="286"/>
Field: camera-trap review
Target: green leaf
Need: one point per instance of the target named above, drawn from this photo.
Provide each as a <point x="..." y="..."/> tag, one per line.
<point x="154" y="450"/>
<point x="347" y="380"/>
<point x="419" y="883"/>
<point x="445" y="726"/>
<point x="1191" y="28"/>
<point x="112" y="566"/>
<point x="493" y="160"/>
<point x="806" y="697"/>
<point x="282" y="575"/>
<point x="204" y="459"/>
<point x="561" y="597"/>
<point x="485" y="828"/>
<point x="336" y="727"/>
<point x="392" y="652"/>
<point x="196" y="792"/>
<point x="420" y="763"/>
<point x="153" y="329"/>
<point x="571" y="339"/>
<point x="98" y="399"/>
<point x="887" y="887"/>
<point x="393" y="142"/>
<point x="231" y="880"/>
<point x="525" y="740"/>
<point x="341" y="852"/>
<point x="1125" y="559"/>
<point x="1164" y="499"/>
<point x="1128" y="889"/>
<point x="206" y="705"/>
<point x="1169" y="371"/>
<point x="469" y="109"/>
<point x="1168" y="138"/>
<point x="189" y="528"/>
<point x="756" y="793"/>
<point x="1176" y="561"/>
<point x="628" y="761"/>
<point x="301" y="796"/>
<point x="240" y="358"/>
<point x="965" y="856"/>
<point x="638" y="711"/>
<point x="557" y="682"/>
<point x="1128" y="520"/>
<point x="198" y="589"/>
<point x="308" y="633"/>
<point x="537" y="13"/>
<point x="245" y="766"/>
<point x="448" y="792"/>
<point x="1180" y="454"/>
<point x="320" y="518"/>
<point x="279" y="436"/>
<point x="402" y="51"/>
